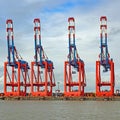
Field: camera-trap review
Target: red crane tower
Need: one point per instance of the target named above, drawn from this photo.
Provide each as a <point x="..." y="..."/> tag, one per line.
<point x="42" y="75"/>
<point x="74" y="72"/>
<point x="16" y="76"/>
<point x="106" y="62"/>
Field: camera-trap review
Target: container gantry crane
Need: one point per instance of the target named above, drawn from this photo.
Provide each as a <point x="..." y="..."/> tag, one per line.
<point x="16" y="70"/>
<point x="74" y="72"/>
<point x="106" y="62"/>
<point x="42" y="74"/>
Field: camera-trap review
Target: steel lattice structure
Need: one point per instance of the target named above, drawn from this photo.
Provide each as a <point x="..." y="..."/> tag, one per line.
<point x="74" y="72"/>
<point x="42" y="74"/>
<point x="106" y="62"/>
<point x="16" y="70"/>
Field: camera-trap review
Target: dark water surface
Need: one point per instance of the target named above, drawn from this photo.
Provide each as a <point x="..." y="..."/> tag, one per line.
<point x="59" y="110"/>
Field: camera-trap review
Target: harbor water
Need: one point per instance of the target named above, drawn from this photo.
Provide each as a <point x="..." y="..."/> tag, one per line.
<point x="59" y="110"/>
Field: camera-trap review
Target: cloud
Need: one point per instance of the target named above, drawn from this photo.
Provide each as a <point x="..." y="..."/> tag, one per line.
<point x="114" y="31"/>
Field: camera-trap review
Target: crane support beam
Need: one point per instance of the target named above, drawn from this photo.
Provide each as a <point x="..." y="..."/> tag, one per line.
<point x="74" y="72"/>
<point x="42" y="75"/>
<point x="106" y="63"/>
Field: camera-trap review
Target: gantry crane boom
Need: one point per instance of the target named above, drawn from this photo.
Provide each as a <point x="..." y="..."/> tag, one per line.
<point x="73" y="54"/>
<point x="104" y="55"/>
<point x="40" y="55"/>
<point x="13" y="55"/>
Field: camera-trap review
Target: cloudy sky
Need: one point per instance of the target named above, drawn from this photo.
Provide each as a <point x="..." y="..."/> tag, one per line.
<point x="54" y="16"/>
